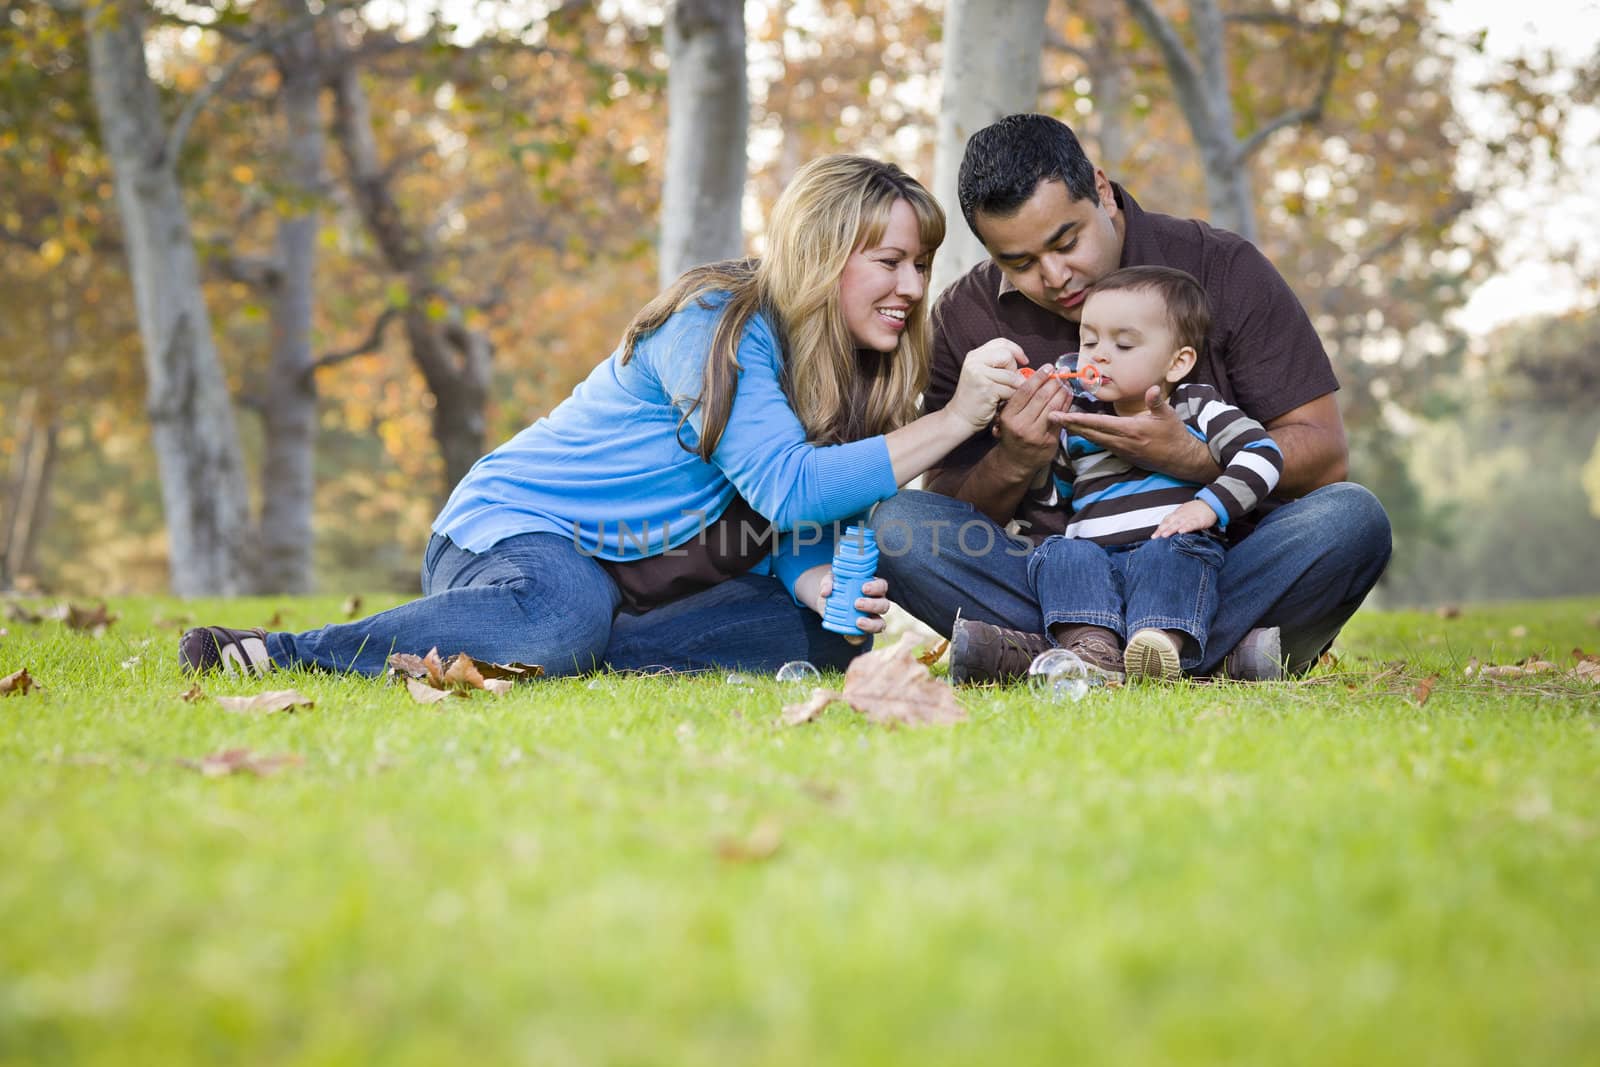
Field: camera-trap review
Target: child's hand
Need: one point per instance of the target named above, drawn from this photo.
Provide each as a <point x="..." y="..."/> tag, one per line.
<point x="873" y="604"/>
<point x="1187" y="518"/>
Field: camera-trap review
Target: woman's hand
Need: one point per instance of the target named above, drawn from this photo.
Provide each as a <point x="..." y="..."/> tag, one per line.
<point x="988" y="378"/>
<point x="873" y="604"/>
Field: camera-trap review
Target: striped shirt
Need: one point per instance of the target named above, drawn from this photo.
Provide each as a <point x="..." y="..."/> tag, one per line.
<point x="1115" y="503"/>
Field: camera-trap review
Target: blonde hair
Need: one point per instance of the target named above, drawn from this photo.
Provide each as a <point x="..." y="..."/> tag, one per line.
<point x="833" y="206"/>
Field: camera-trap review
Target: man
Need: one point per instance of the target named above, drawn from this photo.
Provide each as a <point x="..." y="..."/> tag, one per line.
<point x="1053" y="224"/>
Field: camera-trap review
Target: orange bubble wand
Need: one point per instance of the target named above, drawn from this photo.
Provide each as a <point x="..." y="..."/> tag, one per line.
<point x="1089" y="376"/>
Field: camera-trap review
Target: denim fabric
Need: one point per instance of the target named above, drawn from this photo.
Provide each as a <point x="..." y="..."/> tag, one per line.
<point x="535" y="599"/>
<point x="749" y="623"/>
<point x="1169" y="583"/>
<point x="1305" y="569"/>
<point x="529" y="599"/>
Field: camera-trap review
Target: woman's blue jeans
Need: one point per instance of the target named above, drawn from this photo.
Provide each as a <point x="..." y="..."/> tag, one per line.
<point x="535" y="598"/>
<point x="1167" y="583"/>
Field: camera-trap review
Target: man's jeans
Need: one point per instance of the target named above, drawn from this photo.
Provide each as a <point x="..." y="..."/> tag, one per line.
<point x="1166" y="583"/>
<point x="1305" y="569"/>
<point x="535" y="598"/>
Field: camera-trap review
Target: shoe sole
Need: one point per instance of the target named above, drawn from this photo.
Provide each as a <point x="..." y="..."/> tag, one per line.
<point x="1150" y="657"/>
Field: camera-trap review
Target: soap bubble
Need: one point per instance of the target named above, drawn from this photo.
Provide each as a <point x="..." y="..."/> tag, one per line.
<point x="1062" y="677"/>
<point x="1084" y="386"/>
<point x="739" y="680"/>
<point x="799" y="671"/>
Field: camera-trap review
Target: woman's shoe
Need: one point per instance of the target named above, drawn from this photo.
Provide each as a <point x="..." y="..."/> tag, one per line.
<point x="217" y="648"/>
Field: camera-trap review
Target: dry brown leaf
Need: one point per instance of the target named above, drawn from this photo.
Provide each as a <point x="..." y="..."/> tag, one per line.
<point x="1328" y="661"/>
<point x="423" y="693"/>
<point x="515" y="672"/>
<point x="352" y="607"/>
<point x="429" y="666"/>
<point x="17" y="684"/>
<point x="1472" y="667"/>
<point x="17" y="613"/>
<point x="1425" y="689"/>
<point x="498" y="686"/>
<point x="274" y="623"/>
<point x="462" y="674"/>
<point x="932" y="655"/>
<point x="1448" y="611"/>
<point x="242" y="760"/>
<point x="92" y="621"/>
<point x="1519" y="631"/>
<point x="1587" y="670"/>
<point x="266" y="703"/>
<point x="891" y="688"/>
<point x="193" y="693"/>
<point x="809" y="710"/>
<point x="762" y="843"/>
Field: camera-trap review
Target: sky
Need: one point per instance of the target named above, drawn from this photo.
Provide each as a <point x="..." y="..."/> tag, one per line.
<point x="1535" y="282"/>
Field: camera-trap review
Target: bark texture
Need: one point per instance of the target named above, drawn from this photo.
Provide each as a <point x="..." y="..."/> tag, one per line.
<point x="708" y="114"/>
<point x="991" y="69"/>
<point x="191" y="412"/>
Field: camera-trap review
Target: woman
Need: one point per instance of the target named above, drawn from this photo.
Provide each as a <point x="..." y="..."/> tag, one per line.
<point x="777" y="392"/>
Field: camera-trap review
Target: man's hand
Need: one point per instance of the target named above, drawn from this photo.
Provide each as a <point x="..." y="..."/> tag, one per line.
<point x="1155" y="439"/>
<point x="1192" y="517"/>
<point x="1028" y="439"/>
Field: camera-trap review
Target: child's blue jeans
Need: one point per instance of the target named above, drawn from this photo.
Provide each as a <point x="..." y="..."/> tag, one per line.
<point x="1167" y="583"/>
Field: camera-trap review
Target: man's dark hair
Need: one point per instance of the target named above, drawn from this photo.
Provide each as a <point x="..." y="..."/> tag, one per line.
<point x="1188" y="313"/>
<point x="1005" y="162"/>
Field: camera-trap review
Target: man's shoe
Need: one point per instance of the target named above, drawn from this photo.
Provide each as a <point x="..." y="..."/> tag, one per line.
<point x="981" y="653"/>
<point x="1258" y="657"/>
<point x="1152" y="654"/>
<point x="217" y="648"/>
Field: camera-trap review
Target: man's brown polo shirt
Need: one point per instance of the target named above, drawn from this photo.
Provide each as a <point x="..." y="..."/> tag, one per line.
<point x="1262" y="353"/>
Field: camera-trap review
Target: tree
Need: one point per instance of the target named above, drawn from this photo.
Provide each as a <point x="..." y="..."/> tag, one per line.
<point x="193" y="430"/>
<point x="708" y="117"/>
<point x="1202" y="81"/>
<point x="991" y="69"/>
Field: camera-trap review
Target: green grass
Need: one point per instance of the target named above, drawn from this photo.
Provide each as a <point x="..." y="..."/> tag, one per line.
<point x="1313" y="873"/>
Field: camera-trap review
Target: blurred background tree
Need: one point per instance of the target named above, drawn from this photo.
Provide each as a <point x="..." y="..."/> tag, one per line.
<point x="419" y="225"/>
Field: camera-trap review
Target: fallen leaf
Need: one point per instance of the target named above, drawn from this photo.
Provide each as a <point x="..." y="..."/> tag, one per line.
<point x="352" y="607"/>
<point x="1328" y="661"/>
<point x="429" y="666"/>
<point x="1519" y="631"/>
<point x="809" y="710"/>
<point x="1472" y="667"/>
<point x="172" y="622"/>
<point x="423" y="693"/>
<point x="1588" y="670"/>
<point x="17" y="613"/>
<point x="762" y="843"/>
<point x="237" y="760"/>
<point x="516" y="672"/>
<point x="931" y="656"/>
<point x="1425" y="690"/>
<point x="891" y="688"/>
<point x="462" y="674"/>
<point x="266" y="703"/>
<point x="17" y="684"/>
<point x="498" y="686"/>
<point x="1448" y="611"/>
<point x="274" y="623"/>
<point x="193" y="693"/>
<point x="92" y="621"/>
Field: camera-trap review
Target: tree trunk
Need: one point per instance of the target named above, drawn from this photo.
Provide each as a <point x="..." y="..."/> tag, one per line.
<point x="1205" y="94"/>
<point x="28" y="487"/>
<point x="991" y="69"/>
<point x="456" y="361"/>
<point x="191" y="413"/>
<point x="289" y="396"/>
<point x="708" y="114"/>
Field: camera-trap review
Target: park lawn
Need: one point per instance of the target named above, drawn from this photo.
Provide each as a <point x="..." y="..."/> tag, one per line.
<point x="651" y="871"/>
